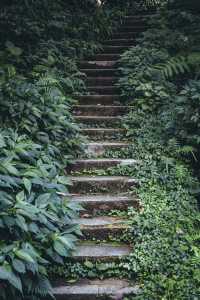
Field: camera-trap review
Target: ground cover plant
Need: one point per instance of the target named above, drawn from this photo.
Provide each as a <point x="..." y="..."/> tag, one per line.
<point x="160" y="79"/>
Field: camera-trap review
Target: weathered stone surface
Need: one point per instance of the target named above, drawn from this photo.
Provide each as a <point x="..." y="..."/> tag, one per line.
<point x="100" y="71"/>
<point x="114" y="49"/>
<point x="98" y="149"/>
<point x="104" y="133"/>
<point x="105" y="202"/>
<point x="104" y="56"/>
<point x="93" y="289"/>
<point x="99" y="222"/>
<point x="120" y="42"/>
<point x="133" y="29"/>
<point x="81" y="184"/>
<point x="103" y="90"/>
<point x="100" y="110"/>
<point x="92" y="251"/>
<point x="101" y="228"/>
<point x="88" y="164"/>
<point x="125" y="35"/>
<point x="94" y="64"/>
<point x="101" y="81"/>
<point x="106" y="120"/>
<point x="99" y="99"/>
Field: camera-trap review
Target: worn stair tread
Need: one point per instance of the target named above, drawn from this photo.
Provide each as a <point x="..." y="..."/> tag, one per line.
<point x="96" y="149"/>
<point x="98" y="65"/>
<point x="105" y="202"/>
<point x="88" y="164"/>
<point x="100" y="70"/>
<point x="103" y="78"/>
<point x="134" y="27"/>
<point x="124" y="35"/>
<point x="104" y="56"/>
<point x="104" y="160"/>
<point x="104" y="221"/>
<point x="99" y="80"/>
<point x="99" y="99"/>
<point x="103" y="130"/>
<point x="85" y="288"/>
<point x="120" y="42"/>
<point x="111" y="90"/>
<point x="103" y="106"/>
<point x="89" y="250"/>
<point x="97" y="118"/>
<point x="100" y="198"/>
<point x="103" y="184"/>
<point x="114" y="49"/>
<point x="103" y="179"/>
<point x="99" y="62"/>
<point x="124" y="143"/>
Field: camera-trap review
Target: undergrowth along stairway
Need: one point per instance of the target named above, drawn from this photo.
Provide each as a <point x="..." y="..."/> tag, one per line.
<point x="100" y="115"/>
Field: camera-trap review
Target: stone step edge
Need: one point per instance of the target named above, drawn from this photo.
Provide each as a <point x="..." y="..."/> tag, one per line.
<point x="102" y="130"/>
<point x="102" y="251"/>
<point x="105" y="202"/>
<point x="92" y="289"/>
<point x="101" y="162"/>
<point x="102" y="106"/>
<point x="101" y="222"/>
<point x="98" y="118"/>
<point x="99" y="179"/>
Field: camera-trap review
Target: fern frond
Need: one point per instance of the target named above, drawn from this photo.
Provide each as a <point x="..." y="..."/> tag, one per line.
<point x="179" y="65"/>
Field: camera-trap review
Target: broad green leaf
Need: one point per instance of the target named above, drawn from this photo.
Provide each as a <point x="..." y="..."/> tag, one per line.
<point x="60" y="248"/>
<point x="19" y="266"/>
<point x="27" y="184"/>
<point x="24" y="256"/>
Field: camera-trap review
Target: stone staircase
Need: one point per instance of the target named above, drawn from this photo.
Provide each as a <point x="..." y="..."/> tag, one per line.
<point x="100" y="116"/>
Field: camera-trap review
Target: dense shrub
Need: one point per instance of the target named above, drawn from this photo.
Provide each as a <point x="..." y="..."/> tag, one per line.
<point x="41" y="42"/>
<point x="164" y="127"/>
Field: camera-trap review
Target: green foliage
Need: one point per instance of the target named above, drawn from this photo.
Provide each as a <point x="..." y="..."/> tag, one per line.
<point x="35" y="222"/>
<point x="41" y="42"/>
<point x="180" y="65"/>
<point x="164" y="127"/>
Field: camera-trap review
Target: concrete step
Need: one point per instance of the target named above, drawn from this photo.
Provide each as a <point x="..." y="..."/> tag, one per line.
<point x="101" y="110"/>
<point x="125" y="35"/>
<point x="93" y="184"/>
<point x="145" y="15"/>
<point x="103" y="56"/>
<point x="95" y="289"/>
<point x="95" y="203"/>
<point x="110" y="72"/>
<point x="132" y="28"/>
<point x="99" y="149"/>
<point x="99" y="99"/>
<point x="106" y="252"/>
<point x="101" y="81"/>
<point x="103" y="163"/>
<point x="101" y="134"/>
<point x="120" y="42"/>
<point x="94" y="64"/>
<point x="101" y="227"/>
<point x="91" y="120"/>
<point x="104" y="90"/>
<point x="114" y="49"/>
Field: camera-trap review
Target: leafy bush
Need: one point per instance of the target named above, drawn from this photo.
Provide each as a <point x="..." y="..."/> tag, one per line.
<point x="35" y="223"/>
<point x="164" y="127"/>
<point x="41" y="42"/>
